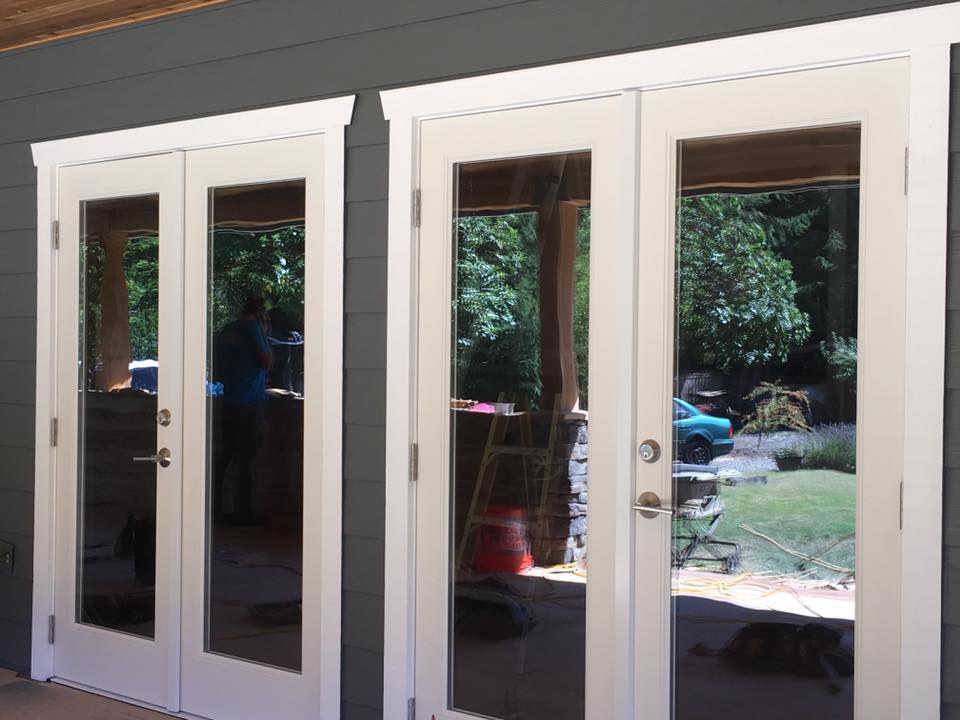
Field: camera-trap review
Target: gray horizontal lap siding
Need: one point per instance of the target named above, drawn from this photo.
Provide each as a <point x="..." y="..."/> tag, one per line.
<point x="251" y="53"/>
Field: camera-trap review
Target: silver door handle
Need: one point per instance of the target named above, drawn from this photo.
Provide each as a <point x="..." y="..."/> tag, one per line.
<point x="162" y="458"/>
<point x="649" y="505"/>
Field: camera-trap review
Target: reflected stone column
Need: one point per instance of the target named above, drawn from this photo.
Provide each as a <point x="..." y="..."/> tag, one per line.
<point x="115" y="350"/>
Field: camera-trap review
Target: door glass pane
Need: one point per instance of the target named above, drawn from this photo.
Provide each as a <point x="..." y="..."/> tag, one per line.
<point x="518" y="417"/>
<point x="118" y="354"/>
<point x="255" y="390"/>
<point x="764" y="416"/>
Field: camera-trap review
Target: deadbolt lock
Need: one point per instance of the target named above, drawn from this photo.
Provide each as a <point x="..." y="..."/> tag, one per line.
<point x="649" y="451"/>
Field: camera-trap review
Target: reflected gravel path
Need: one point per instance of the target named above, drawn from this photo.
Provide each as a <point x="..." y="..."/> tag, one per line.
<point x="746" y="458"/>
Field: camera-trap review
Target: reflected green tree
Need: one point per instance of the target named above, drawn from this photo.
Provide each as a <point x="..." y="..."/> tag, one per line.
<point x="736" y="295"/>
<point x="581" y="307"/>
<point x="266" y="264"/>
<point x="241" y="264"/>
<point x="496" y="308"/>
<point x="140" y="264"/>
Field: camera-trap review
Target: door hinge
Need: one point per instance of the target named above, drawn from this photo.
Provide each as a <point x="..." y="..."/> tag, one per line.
<point x="906" y="169"/>
<point x="54" y="431"/>
<point x="411" y="709"/>
<point x="51" y="629"/>
<point x="414" y="461"/>
<point x="55" y="233"/>
<point x="416" y="208"/>
<point x="901" y="504"/>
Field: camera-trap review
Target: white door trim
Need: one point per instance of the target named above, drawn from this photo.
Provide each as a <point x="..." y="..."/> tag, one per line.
<point x="924" y="35"/>
<point x="328" y="117"/>
<point x="926" y="279"/>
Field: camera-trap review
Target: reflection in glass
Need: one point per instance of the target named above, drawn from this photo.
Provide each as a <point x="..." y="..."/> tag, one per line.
<point x="255" y="396"/>
<point x="117" y="497"/>
<point x="764" y="416"/>
<point x="518" y="416"/>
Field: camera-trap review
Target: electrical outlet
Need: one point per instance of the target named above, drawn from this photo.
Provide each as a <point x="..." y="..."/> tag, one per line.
<point x="6" y="558"/>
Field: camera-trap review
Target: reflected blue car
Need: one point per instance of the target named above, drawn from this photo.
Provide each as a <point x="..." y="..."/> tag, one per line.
<point x="698" y="437"/>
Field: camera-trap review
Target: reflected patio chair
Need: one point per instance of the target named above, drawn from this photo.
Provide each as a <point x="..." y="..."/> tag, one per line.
<point x="698" y="510"/>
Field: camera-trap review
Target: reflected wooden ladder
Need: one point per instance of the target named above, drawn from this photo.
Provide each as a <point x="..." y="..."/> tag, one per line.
<point x="494" y="449"/>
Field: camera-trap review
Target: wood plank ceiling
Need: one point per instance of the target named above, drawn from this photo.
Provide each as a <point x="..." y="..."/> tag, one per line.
<point x="31" y="22"/>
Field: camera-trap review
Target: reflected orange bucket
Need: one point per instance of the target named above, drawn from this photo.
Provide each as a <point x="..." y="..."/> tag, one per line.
<point x="502" y="542"/>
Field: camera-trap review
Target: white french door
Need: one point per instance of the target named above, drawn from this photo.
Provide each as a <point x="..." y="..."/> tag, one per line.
<point x="193" y="572"/>
<point x="634" y="313"/>
<point x="117" y="580"/>
<point x="253" y="620"/>
<point x="822" y="152"/>
<point x="520" y="247"/>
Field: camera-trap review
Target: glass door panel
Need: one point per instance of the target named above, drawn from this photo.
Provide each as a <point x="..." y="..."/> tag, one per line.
<point x="255" y="325"/>
<point x="764" y="417"/>
<point x="118" y="366"/>
<point x="519" y="449"/>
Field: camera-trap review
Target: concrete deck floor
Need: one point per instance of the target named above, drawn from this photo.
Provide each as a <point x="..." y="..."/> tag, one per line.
<point x="22" y="699"/>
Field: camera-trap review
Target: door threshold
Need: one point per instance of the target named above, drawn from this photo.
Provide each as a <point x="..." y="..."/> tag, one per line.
<point x="125" y="699"/>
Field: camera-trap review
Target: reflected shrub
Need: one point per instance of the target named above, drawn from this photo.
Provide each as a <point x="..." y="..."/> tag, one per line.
<point x="831" y="447"/>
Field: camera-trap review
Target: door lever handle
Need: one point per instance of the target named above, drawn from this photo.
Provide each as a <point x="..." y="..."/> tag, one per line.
<point x="162" y="458"/>
<point x="649" y="505"/>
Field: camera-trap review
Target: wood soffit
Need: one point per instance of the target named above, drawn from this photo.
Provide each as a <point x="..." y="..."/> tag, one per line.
<point x="31" y="22"/>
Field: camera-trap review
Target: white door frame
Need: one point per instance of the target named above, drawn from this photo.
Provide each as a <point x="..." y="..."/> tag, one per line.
<point x="329" y="117"/>
<point x="924" y="36"/>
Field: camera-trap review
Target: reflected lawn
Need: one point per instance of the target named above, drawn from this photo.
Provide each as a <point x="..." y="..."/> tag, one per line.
<point x="804" y="510"/>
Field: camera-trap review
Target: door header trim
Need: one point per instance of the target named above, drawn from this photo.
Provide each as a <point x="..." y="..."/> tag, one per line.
<point x="246" y="126"/>
<point x="841" y="42"/>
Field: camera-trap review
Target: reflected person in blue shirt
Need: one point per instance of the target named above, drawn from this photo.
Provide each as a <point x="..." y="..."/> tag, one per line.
<point x="242" y="361"/>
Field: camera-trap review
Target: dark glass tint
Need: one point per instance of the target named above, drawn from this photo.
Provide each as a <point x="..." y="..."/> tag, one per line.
<point x="518" y="415"/>
<point x="764" y="418"/>
<point x="255" y="392"/>
<point x="117" y="383"/>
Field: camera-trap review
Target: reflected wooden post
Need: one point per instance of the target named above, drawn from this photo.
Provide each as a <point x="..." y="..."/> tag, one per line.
<point x="115" y="350"/>
<point x="557" y="236"/>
